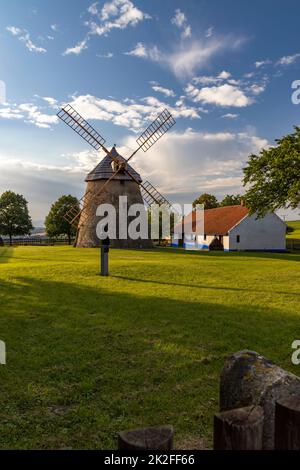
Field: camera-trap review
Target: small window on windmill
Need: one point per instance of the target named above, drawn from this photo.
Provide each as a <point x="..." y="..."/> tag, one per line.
<point x="118" y="165"/>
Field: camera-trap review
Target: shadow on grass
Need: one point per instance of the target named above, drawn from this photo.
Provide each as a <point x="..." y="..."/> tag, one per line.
<point x="86" y="362"/>
<point x="5" y="254"/>
<point x="199" y="286"/>
<point x="230" y="254"/>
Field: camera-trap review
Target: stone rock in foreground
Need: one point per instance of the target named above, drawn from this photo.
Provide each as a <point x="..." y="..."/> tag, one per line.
<point x="250" y="379"/>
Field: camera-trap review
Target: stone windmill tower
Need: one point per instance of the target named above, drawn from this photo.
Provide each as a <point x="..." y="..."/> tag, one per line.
<point x="111" y="179"/>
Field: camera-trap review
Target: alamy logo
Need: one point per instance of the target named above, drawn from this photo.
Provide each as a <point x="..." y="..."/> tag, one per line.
<point x="296" y="93"/>
<point x="2" y="92"/>
<point x="132" y="222"/>
<point x="2" y="353"/>
<point x="296" y="353"/>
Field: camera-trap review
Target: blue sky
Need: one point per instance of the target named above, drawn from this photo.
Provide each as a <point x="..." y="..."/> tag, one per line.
<point x="223" y="68"/>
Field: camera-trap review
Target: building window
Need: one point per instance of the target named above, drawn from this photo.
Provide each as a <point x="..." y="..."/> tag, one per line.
<point x="204" y="237"/>
<point x="238" y="239"/>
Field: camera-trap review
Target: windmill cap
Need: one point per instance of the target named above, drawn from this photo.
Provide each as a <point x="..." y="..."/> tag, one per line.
<point x="104" y="170"/>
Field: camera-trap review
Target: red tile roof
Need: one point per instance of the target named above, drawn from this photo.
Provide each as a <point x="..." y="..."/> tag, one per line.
<point x="220" y="220"/>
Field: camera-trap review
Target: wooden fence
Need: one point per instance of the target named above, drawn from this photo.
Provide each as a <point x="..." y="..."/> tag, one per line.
<point x="293" y="244"/>
<point x="37" y="241"/>
<point x="239" y="429"/>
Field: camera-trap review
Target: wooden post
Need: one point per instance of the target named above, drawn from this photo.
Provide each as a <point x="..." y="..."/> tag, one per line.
<point x="157" y="438"/>
<point x="239" y="429"/>
<point x="287" y="424"/>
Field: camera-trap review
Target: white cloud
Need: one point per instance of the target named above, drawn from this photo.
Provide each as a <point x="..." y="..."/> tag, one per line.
<point x="189" y="58"/>
<point x="186" y="57"/>
<point x="143" y="51"/>
<point x="227" y="90"/>
<point x="133" y="114"/>
<point x="223" y="95"/>
<point x="230" y="116"/>
<point x="24" y="36"/>
<point x="9" y="112"/>
<point x="165" y="91"/>
<point x="109" y="55"/>
<point x="128" y="113"/>
<point x="208" y="79"/>
<point x="84" y="161"/>
<point x="288" y="59"/>
<point x="184" y="164"/>
<point x="261" y="63"/>
<point x="54" y="27"/>
<point x="209" y="32"/>
<point x="53" y="103"/>
<point x="257" y="89"/>
<point x="179" y="20"/>
<point x="139" y="50"/>
<point x="36" y="117"/>
<point x="14" y="30"/>
<point x="30" y="113"/>
<point x="117" y="14"/>
<point x="93" y="8"/>
<point x="76" y="50"/>
<point x="224" y="75"/>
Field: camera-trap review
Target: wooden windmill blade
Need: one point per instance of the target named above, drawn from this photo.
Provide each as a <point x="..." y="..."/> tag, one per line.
<point x="76" y="122"/>
<point x="73" y="215"/>
<point x="152" y="196"/>
<point x="156" y="130"/>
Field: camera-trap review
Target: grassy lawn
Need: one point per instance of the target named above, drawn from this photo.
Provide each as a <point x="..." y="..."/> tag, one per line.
<point x="89" y="356"/>
<point x="296" y="226"/>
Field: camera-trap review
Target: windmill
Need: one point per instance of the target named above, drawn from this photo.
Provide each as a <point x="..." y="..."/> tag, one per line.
<point x="111" y="178"/>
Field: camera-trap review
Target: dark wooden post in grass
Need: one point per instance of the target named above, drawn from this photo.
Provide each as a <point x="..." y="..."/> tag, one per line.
<point x="157" y="438"/>
<point x="287" y="424"/>
<point x="239" y="429"/>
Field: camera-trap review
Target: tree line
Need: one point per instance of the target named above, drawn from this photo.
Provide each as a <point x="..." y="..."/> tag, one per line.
<point x="15" y="219"/>
<point x="210" y="201"/>
<point x="271" y="178"/>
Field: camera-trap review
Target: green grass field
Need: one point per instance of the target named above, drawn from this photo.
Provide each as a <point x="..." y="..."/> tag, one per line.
<point x="89" y="356"/>
<point x="296" y="226"/>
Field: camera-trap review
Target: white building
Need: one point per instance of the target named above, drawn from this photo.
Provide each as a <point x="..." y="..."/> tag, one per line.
<point x="231" y="228"/>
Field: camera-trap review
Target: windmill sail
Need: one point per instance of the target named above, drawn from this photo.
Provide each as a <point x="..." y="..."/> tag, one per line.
<point x="156" y="130"/>
<point x="74" y="120"/>
<point x="152" y="196"/>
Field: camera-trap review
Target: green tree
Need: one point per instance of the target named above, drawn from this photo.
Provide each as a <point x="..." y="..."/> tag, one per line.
<point x="208" y="200"/>
<point x="14" y="215"/>
<point x="231" y="200"/>
<point x="273" y="176"/>
<point x="55" y="222"/>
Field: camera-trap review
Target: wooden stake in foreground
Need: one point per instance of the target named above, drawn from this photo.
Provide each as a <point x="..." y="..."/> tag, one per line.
<point x="239" y="429"/>
<point x="157" y="438"/>
<point x="287" y="424"/>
